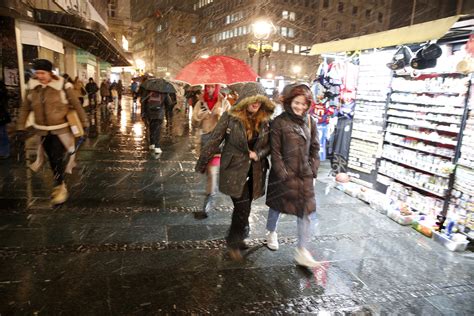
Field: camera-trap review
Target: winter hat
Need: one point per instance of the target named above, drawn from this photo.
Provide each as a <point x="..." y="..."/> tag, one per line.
<point x="250" y="89"/>
<point x="42" y="64"/>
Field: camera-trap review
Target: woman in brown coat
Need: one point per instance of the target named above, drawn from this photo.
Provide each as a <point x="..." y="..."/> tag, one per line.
<point x="295" y="162"/>
<point x="50" y="99"/>
<point x="243" y="167"/>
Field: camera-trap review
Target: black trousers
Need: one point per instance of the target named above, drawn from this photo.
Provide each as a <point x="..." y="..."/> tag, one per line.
<point x="55" y="151"/>
<point x="92" y="101"/>
<point x="155" y="131"/>
<point x="239" y="227"/>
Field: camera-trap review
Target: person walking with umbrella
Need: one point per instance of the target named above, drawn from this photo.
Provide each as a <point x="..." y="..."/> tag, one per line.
<point x="295" y="162"/>
<point x="206" y="114"/>
<point x="244" y="129"/>
<point x="155" y="98"/>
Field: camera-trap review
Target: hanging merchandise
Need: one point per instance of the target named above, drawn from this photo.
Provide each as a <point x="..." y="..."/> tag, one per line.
<point x="401" y="58"/>
<point x="426" y="57"/>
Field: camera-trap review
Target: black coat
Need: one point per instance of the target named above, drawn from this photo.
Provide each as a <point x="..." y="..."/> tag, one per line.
<point x="235" y="162"/>
<point x="295" y="162"/>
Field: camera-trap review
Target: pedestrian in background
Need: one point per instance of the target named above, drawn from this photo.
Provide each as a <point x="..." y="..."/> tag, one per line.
<point x="4" y="120"/>
<point x="295" y="162"/>
<point x="134" y="88"/>
<point x="50" y="98"/>
<point x="91" y="89"/>
<point x="206" y="114"/>
<point x="153" y="112"/>
<point x="79" y="88"/>
<point x="120" y="91"/>
<point x="245" y="132"/>
<point x="104" y="91"/>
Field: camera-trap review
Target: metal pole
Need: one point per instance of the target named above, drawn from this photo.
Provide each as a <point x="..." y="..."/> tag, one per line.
<point x="413" y="12"/>
<point x="259" y="56"/>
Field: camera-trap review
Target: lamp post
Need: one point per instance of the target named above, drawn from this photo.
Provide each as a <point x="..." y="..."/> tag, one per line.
<point x="261" y="31"/>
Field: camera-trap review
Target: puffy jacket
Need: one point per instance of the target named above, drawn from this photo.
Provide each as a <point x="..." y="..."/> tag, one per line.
<point x="50" y="104"/>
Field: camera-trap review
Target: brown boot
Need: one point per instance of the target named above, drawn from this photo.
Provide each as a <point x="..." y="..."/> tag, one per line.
<point x="59" y="194"/>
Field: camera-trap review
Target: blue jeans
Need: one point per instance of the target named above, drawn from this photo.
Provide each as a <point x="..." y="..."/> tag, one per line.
<point x="305" y="226"/>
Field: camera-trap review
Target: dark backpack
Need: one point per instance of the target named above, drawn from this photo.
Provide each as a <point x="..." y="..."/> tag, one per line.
<point x="155" y="101"/>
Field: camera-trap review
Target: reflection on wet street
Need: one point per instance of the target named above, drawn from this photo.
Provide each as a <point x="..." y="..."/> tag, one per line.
<point x="126" y="242"/>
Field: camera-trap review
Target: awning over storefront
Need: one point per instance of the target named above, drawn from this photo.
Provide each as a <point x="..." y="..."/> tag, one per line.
<point x="405" y="35"/>
<point x="89" y="35"/>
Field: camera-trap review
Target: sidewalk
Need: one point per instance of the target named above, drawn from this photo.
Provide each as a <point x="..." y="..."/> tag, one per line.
<point x="127" y="242"/>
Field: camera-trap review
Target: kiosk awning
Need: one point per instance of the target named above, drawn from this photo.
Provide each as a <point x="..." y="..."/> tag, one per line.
<point x="405" y="35"/>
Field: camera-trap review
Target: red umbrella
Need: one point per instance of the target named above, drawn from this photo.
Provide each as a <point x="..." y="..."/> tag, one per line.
<point x="216" y="70"/>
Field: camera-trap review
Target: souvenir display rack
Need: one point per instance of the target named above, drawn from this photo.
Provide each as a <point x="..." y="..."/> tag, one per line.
<point x="461" y="203"/>
<point x="424" y="123"/>
<point x="368" y="122"/>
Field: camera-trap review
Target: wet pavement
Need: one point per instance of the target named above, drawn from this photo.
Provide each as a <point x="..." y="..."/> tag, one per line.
<point x="126" y="242"/>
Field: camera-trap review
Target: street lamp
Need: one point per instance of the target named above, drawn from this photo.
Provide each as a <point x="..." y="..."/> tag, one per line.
<point x="261" y="31"/>
<point x="296" y="70"/>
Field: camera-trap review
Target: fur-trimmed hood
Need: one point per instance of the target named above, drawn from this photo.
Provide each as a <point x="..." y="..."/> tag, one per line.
<point x="250" y="93"/>
<point x="55" y="83"/>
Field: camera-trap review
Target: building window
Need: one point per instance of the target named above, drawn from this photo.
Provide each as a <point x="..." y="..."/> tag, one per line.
<point x="276" y="46"/>
<point x="193" y="39"/>
<point x="340" y="7"/>
<point x="202" y="3"/>
<point x="112" y="8"/>
<point x="338" y="26"/>
<point x="286" y="15"/>
<point x="380" y="17"/>
<point x="355" y="10"/>
<point x="283" y="48"/>
<point x="159" y="28"/>
<point x="324" y="23"/>
<point x="297" y="49"/>
<point x="368" y="13"/>
<point x="234" y="17"/>
<point x="326" y="4"/>
<point x="291" y="32"/>
<point x="284" y="31"/>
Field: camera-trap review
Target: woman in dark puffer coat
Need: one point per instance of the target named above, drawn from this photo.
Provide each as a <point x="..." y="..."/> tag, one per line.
<point x="295" y="162"/>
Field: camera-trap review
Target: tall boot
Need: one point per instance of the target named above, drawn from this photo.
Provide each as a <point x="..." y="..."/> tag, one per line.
<point x="208" y="202"/>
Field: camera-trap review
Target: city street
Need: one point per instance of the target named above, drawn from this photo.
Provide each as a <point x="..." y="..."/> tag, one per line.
<point x="126" y="242"/>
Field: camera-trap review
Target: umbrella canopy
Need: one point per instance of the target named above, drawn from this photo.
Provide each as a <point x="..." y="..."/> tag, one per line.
<point x="159" y="85"/>
<point x="217" y="70"/>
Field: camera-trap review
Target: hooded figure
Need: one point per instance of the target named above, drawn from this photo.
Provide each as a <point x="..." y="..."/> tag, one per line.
<point x="243" y="168"/>
<point x="295" y="162"/>
<point x="206" y="114"/>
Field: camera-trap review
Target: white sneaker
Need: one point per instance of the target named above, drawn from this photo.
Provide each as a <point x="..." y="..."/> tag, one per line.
<point x="158" y="150"/>
<point x="305" y="259"/>
<point x="272" y="241"/>
<point x="151" y="147"/>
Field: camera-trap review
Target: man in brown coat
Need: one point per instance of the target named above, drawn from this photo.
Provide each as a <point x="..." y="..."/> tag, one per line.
<point x="50" y="99"/>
